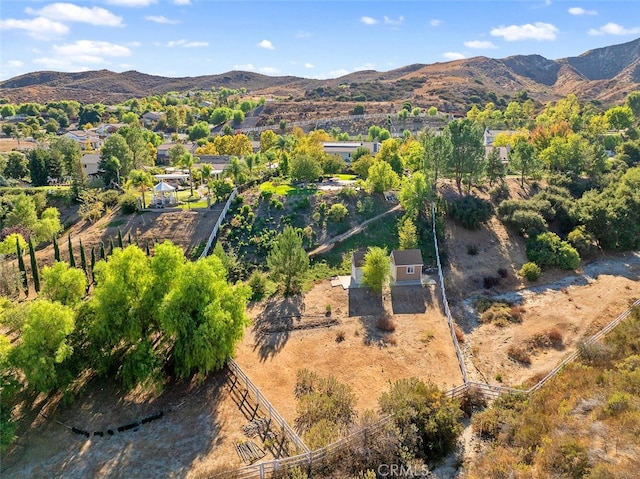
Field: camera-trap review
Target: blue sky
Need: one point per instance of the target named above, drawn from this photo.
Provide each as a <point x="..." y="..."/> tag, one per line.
<point x="314" y="39"/>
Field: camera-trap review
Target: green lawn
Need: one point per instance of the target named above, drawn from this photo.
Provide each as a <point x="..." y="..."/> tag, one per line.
<point x="344" y="177"/>
<point x="285" y="189"/>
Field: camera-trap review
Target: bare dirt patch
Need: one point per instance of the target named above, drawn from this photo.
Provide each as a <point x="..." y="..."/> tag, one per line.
<point x="197" y="432"/>
<point x="10" y="144"/>
<point x="555" y="317"/>
<point x="294" y="333"/>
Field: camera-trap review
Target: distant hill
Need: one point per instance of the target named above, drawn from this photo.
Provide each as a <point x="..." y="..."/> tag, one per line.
<point x="604" y="74"/>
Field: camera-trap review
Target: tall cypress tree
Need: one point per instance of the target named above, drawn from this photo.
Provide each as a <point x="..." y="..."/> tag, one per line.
<point x="56" y="249"/>
<point x="93" y="259"/>
<point x="129" y="238"/>
<point x="34" y="267"/>
<point x="120" y="244"/>
<point x="72" y="260"/>
<point x="23" y="270"/>
<point x="147" y="248"/>
<point x="102" y="253"/>
<point x="83" y="260"/>
<point x="111" y="246"/>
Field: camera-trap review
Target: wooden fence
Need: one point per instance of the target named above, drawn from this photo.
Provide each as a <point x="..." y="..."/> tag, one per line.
<point x="308" y="459"/>
<point x="214" y="232"/>
<point x="263" y="402"/>
<point x="445" y="303"/>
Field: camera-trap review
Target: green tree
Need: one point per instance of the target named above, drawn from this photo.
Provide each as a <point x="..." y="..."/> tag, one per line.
<point x="116" y="146"/>
<point x="287" y="261"/>
<point x="63" y="283"/>
<point x="236" y="170"/>
<point x="72" y="259"/>
<point x="8" y="245"/>
<point x="199" y="130"/>
<point x="56" y="248"/>
<point x="429" y="422"/>
<point x="175" y="153"/>
<point x="619" y="117"/>
<point x="416" y="195"/>
<point x="23" y="212"/>
<point x="34" y="267"/>
<point x="304" y="168"/>
<point x="44" y="343"/>
<point x="381" y="177"/>
<point x="83" y="259"/>
<point x="496" y="169"/>
<point x="523" y="159"/>
<point x="633" y="102"/>
<point x="361" y="166"/>
<point x="38" y="158"/>
<point x="466" y="161"/>
<point x="376" y="268"/>
<point x="407" y="233"/>
<point x="17" y="166"/>
<point x="21" y="267"/>
<point x="48" y="225"/>
<point x="204" y="316"/>
<point x="238" y="117"/>
<point x="142" y="181"/>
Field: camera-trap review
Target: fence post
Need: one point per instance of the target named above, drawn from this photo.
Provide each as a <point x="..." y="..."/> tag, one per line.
<point x="262" y="476"/>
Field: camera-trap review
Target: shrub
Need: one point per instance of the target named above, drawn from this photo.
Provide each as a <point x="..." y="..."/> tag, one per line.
<point x="128" y="203"/>
<point x="459" y="333"/>
<point x="498" y="313"/>
<point x="472" y="249"/>
<point x="337" y="212"/>
<point x="547" y="249"/>
<point x="109" y="198"/>
<point x="583" y="241"/>
<point x="503" y="273"/>
<point x="499" y="193"/>
<point x="489" y="282"/>
<point x="519" y="354"/>
<point x="340" y="336"/>
<point x="470" y="211"/>
<point x="386" y="324"/>
<point x="531" y="271"/>
<point x="258" y="285"/>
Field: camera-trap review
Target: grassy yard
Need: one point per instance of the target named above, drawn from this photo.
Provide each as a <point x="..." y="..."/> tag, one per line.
<point x="345" y="177"/>
<point x="285" y="189"/>
<point x="382" y="233"/>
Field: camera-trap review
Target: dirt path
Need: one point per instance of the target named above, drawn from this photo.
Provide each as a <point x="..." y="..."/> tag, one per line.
<point x="327" y="245"/>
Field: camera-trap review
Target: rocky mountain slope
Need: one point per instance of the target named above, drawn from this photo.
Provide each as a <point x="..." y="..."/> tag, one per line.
<point x="604" y="74"/>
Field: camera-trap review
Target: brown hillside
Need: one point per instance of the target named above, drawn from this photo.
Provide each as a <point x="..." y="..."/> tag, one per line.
<point x="605" y="74"/>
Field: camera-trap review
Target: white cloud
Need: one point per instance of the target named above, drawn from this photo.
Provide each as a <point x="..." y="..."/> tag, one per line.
<point x="131" y="3"/>
<point x="185" y="44"/>
<point x="182" y="2"/>
<point x="391" y="21"/>
<point x="39" y="28"/>
<point x="269" y="70"/>
<point x="368" y="20"/>
<point x="528" y="31"/>
<point x="15" y="63"/>
<point x="60" y="64"/>
<point x="453" y="56"/>
<point x="614" y="29"/>
<point x="479" y="44"/>
<point x="266" y="44"/>
<point x="161" y="19"/>
<point x="308" y="65"/>
<point x="365" y="66"/>
<point x="246" y="66"/>
<point x="435" y="22"/>
<point x="68" y="12"/>
<point x="91" y="50"/>
<point x="581" y="11"/>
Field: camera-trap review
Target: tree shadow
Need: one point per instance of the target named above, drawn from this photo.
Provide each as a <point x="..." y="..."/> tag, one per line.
<point x="109" y="429"/>
<point x="408" y="299"/>
<point x="364" y="302"/>
<point x="274" y="324"/>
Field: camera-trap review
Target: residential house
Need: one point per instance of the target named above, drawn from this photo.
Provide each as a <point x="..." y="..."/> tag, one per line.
<point x="346" y="148"/>
<point x="88" y="140"/>
<point x="90" y="163"/>
<point x="107" y="129"/>
<point x="406" y="266"/>
<point x="162" y="152"/>
<point x="503" y="152"/>
<point x="152" y="117"/>
<point x="357" y="263"/>
<point x="490" y="135"/>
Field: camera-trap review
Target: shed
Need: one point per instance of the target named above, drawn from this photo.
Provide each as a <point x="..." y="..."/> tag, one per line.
<point x="406" y="265"/>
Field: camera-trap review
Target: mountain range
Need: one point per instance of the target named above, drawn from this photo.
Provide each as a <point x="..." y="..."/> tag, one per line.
<point x="604" y="75"/>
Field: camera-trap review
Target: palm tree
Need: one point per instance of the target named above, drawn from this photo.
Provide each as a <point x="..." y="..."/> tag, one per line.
<point x="236" y="170"/>
<point x="142" y="180"/>
<point x="187" y="161"/>
<point x="206" y="170"/>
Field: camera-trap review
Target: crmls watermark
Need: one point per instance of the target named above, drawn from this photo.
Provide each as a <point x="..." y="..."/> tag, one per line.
<point x="399" y="470"/>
